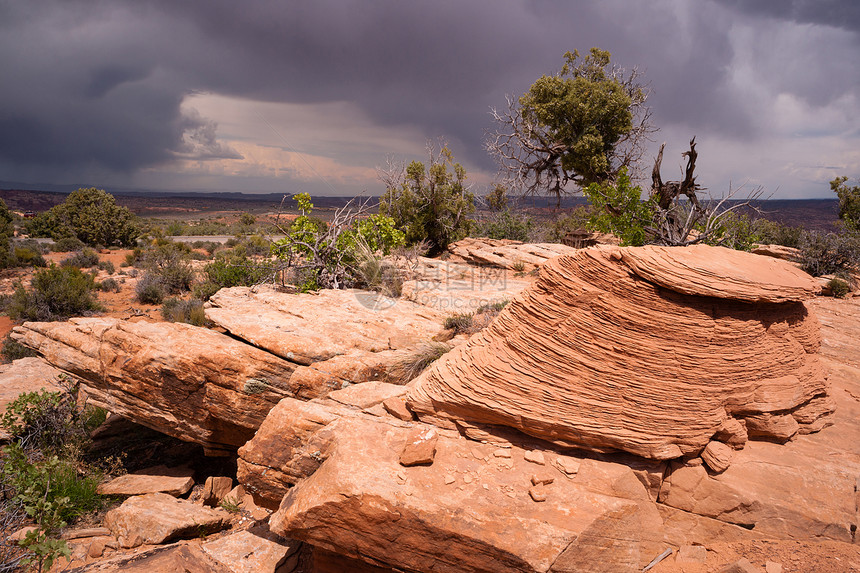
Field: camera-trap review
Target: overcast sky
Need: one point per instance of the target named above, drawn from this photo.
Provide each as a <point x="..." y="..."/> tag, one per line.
<point x="314" y="95"/>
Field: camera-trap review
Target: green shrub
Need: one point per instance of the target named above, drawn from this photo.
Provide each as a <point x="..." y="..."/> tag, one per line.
<point x="84" y="259"/>
<point x="13" y="350"/>
<point x="67" y="245"/>
<point x="56" y="293"/>
<point x="27" y="257"/>
<point x="826" y="254"/>
<point x="838" y="288"/>
<point x="492" y="307"/>
<point x="110" y="285"/>
<point x="769" y="232"/>
<point x="169" y="262"/>
<point x="92" y="216"/>
<point x="107" y="267"/>
<point x="234" y="268"/>
<point x="574" y="221"/>
<point x="204" y="291"/>
<point x="150" y="289"/>
<point x="506" y="225"/>
<point x="459" y="322"/>
<point x="187" y="311"/>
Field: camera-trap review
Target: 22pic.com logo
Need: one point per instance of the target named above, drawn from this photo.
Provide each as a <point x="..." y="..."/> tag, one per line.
<point x="447" y="288"/>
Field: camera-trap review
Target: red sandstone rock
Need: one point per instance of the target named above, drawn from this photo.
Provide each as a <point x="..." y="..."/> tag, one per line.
<point x="215" y="489"/>
<point x="188" y="382"/>
<point x="158" y="479"/>
<point x="648" y="350"/>
<point x="157" y="518"/>
<point x="506" y="253"/>
<point x="420" y="447"/>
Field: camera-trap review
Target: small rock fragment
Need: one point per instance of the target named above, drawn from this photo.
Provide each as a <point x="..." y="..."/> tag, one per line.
<point x="396" y="406"/>
<point x="535" y="457"/>
<point x="502" y="453"/>
<point x="449" y="479"/>
<point x="772" y="567"/>
<point x="567" y="465"/>
<point x="542" y="479"/>
<point x="538" y="493"/>
<point x="717" y="456"/>
<point x="468" y="478"/>
<point x="215" y="489"/>
<point x="420" y="448"/>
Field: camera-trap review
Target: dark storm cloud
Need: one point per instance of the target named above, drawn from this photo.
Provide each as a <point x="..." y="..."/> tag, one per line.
<point x="835" y="13"/>
<point x="96" y="84"/>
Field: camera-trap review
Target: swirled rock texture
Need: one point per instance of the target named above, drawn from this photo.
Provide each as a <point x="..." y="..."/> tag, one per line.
<point x="652" y="350"/>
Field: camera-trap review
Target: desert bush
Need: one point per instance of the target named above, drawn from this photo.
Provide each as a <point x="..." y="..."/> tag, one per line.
<point x="558" y="229"/>
<point x="460" y="322"/>
<point x="339" y="257"/>
<point x="83" y="259"/>
<point x="769" y="232"/>
<point x="429" y="202"/>
<point x="12" y="350"/>
<point x="150" y="289"/>
<point x="838" y="288"/>
<point x="493" y="308"/>
<point x="235" y="268"/>
<point x="169" y="262"/>
<point x="110" y="285"/>
<point x="410" y="366"/>
<point x="42" y="475"/>
<point x="107" y="267"/>
<point x="67" y="245"/>
<point x="505" y="225"/>
<point x="187" y="311"/>
<point x="28" y="257"/>
<point x="56" y="293"/>
<point x="204" y="290"/>
<point x="831" y="253"/>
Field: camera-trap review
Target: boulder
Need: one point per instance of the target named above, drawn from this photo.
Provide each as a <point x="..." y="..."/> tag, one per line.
<point x="183" y="556"/>
<point x="470" y="510"/>
<point x="778" y="252"/>
<point x="648" y="350"/>
<point x="253" y="551"/>
<point x="157" y="518"/>
<point x="191" y="383"/>
<point x="158" y="479"/>
<point x="215" y="489"/>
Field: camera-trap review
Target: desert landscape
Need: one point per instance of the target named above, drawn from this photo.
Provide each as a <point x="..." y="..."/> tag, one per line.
<point x="430" y="287"/>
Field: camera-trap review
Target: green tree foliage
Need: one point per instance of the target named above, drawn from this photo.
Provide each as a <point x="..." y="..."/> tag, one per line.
<point x="56" y="293"/>
<point x="430" y="203"/>
<point x="579" y="126"/>
<point x="90" y="215"/>
<point x="849" y="202"/>
<point x="617" y="208"/>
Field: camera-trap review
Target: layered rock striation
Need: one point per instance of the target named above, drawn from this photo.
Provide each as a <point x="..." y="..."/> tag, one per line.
<point x="191" y="383"/>
<point x="654" y="351"/>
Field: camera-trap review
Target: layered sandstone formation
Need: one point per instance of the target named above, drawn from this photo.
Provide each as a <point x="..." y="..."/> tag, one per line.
<point x="505" y="253"/>
<point x="654" y="351"/>
<point x="191" y="383"/>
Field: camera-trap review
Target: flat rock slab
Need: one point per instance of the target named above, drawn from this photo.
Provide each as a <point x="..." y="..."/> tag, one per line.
<point x="250" y="552"/>
<point x="158" y="479"/>
<point x="652" y="351"/>
<point x="316" y="327"/>
<point x="505" y="253"/>
<point x="191" y="383"/>
<point x="158" y="518"/>
<point x="182" y="557"/>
